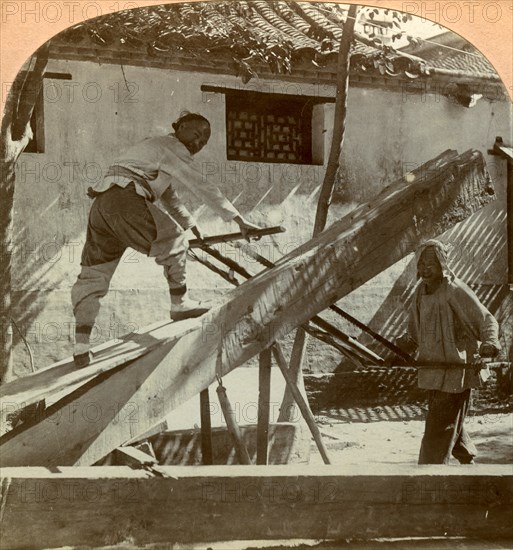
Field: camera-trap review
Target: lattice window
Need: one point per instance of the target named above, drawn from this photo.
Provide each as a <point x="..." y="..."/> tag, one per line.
<point x="261" y="128"/>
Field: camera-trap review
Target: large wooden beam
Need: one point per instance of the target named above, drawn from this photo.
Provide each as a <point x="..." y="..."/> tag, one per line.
<point x="116" y="405"/>
<point x="109" y="505"/>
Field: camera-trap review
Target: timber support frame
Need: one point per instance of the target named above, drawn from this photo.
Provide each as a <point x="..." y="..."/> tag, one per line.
<point x="156" y="371"/>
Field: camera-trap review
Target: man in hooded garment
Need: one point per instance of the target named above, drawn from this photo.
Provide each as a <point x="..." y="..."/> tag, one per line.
<point x="447" y="324"/>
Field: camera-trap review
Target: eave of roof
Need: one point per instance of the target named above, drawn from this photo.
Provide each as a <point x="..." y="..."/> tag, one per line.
<point x="448" y="53"/>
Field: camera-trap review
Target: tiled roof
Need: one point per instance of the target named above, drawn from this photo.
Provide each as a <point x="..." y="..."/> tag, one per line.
<point x="451" y="52"/>
<point x="281" y="34"/>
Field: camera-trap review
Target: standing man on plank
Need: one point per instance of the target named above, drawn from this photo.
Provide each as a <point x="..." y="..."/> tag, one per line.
<point x="447" y="323"/>
<point x="136" y="206"/>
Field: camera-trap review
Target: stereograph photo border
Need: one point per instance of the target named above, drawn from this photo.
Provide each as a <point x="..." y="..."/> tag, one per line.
<point x="487" y="28"/>
<point x="488" y="25"/>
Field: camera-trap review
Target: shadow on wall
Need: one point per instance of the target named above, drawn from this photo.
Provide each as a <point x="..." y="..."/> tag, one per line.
<point x="34" y="327"/>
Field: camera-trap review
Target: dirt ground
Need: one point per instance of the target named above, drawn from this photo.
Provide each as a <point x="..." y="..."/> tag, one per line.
<point x="398" y="442"/>
<point x="384" y="442"/>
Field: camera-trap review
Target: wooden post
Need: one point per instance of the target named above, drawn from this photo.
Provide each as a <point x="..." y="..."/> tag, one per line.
<point x="206" y="428"/>
<point x="505" y="151"/>
<point x="288" y="407"/>
<point x="264" y="398"/>
<point x="233" y="428"/>
<point x="301" y="403"/>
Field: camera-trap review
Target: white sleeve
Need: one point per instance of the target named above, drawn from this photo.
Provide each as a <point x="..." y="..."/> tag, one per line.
<point x="179" y="166"/>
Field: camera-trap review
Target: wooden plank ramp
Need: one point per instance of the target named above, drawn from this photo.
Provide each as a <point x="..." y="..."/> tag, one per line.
<point x="97" y="506"/>
<point x="62" y="375"/>
<point x="120" y="403"/>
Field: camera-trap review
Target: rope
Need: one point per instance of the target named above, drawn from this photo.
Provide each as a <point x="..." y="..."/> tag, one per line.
<point x="32" y="367"/>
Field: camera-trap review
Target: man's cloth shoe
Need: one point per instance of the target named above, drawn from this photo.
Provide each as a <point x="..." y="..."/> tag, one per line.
<point x="182" y="307"/>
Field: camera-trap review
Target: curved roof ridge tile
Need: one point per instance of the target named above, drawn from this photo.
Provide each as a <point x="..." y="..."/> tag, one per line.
<point x="276" y="20"/>
<point x="261" y="22"/>
<point x="292" y="17"/>
<point x="314" y="17"/>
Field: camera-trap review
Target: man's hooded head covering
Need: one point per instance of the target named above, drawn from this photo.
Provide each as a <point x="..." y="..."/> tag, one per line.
<point x="442" y="253"/>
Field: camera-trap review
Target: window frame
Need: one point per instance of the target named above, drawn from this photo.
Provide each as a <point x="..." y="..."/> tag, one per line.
<point x="303" y="104"/>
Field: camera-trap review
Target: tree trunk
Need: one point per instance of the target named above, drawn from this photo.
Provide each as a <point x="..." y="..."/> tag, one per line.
<point x="287" y="412"/>
<point x="16" y="133"/>
<point x="6" y="202"/>
<point x="339" y="126"/>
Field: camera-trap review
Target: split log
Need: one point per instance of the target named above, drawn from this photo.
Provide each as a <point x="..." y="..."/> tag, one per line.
<point x="334" y="332"/>
<point x="117" y="405"/>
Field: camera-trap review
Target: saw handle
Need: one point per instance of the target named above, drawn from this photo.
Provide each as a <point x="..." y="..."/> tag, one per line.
<point x="227" y="237"/>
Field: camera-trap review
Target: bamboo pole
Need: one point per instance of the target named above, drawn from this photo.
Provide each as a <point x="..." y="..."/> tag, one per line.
<point x="337" y="139"/>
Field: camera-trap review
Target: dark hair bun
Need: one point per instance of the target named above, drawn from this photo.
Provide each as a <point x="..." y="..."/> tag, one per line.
<point x="185" y="116"/>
